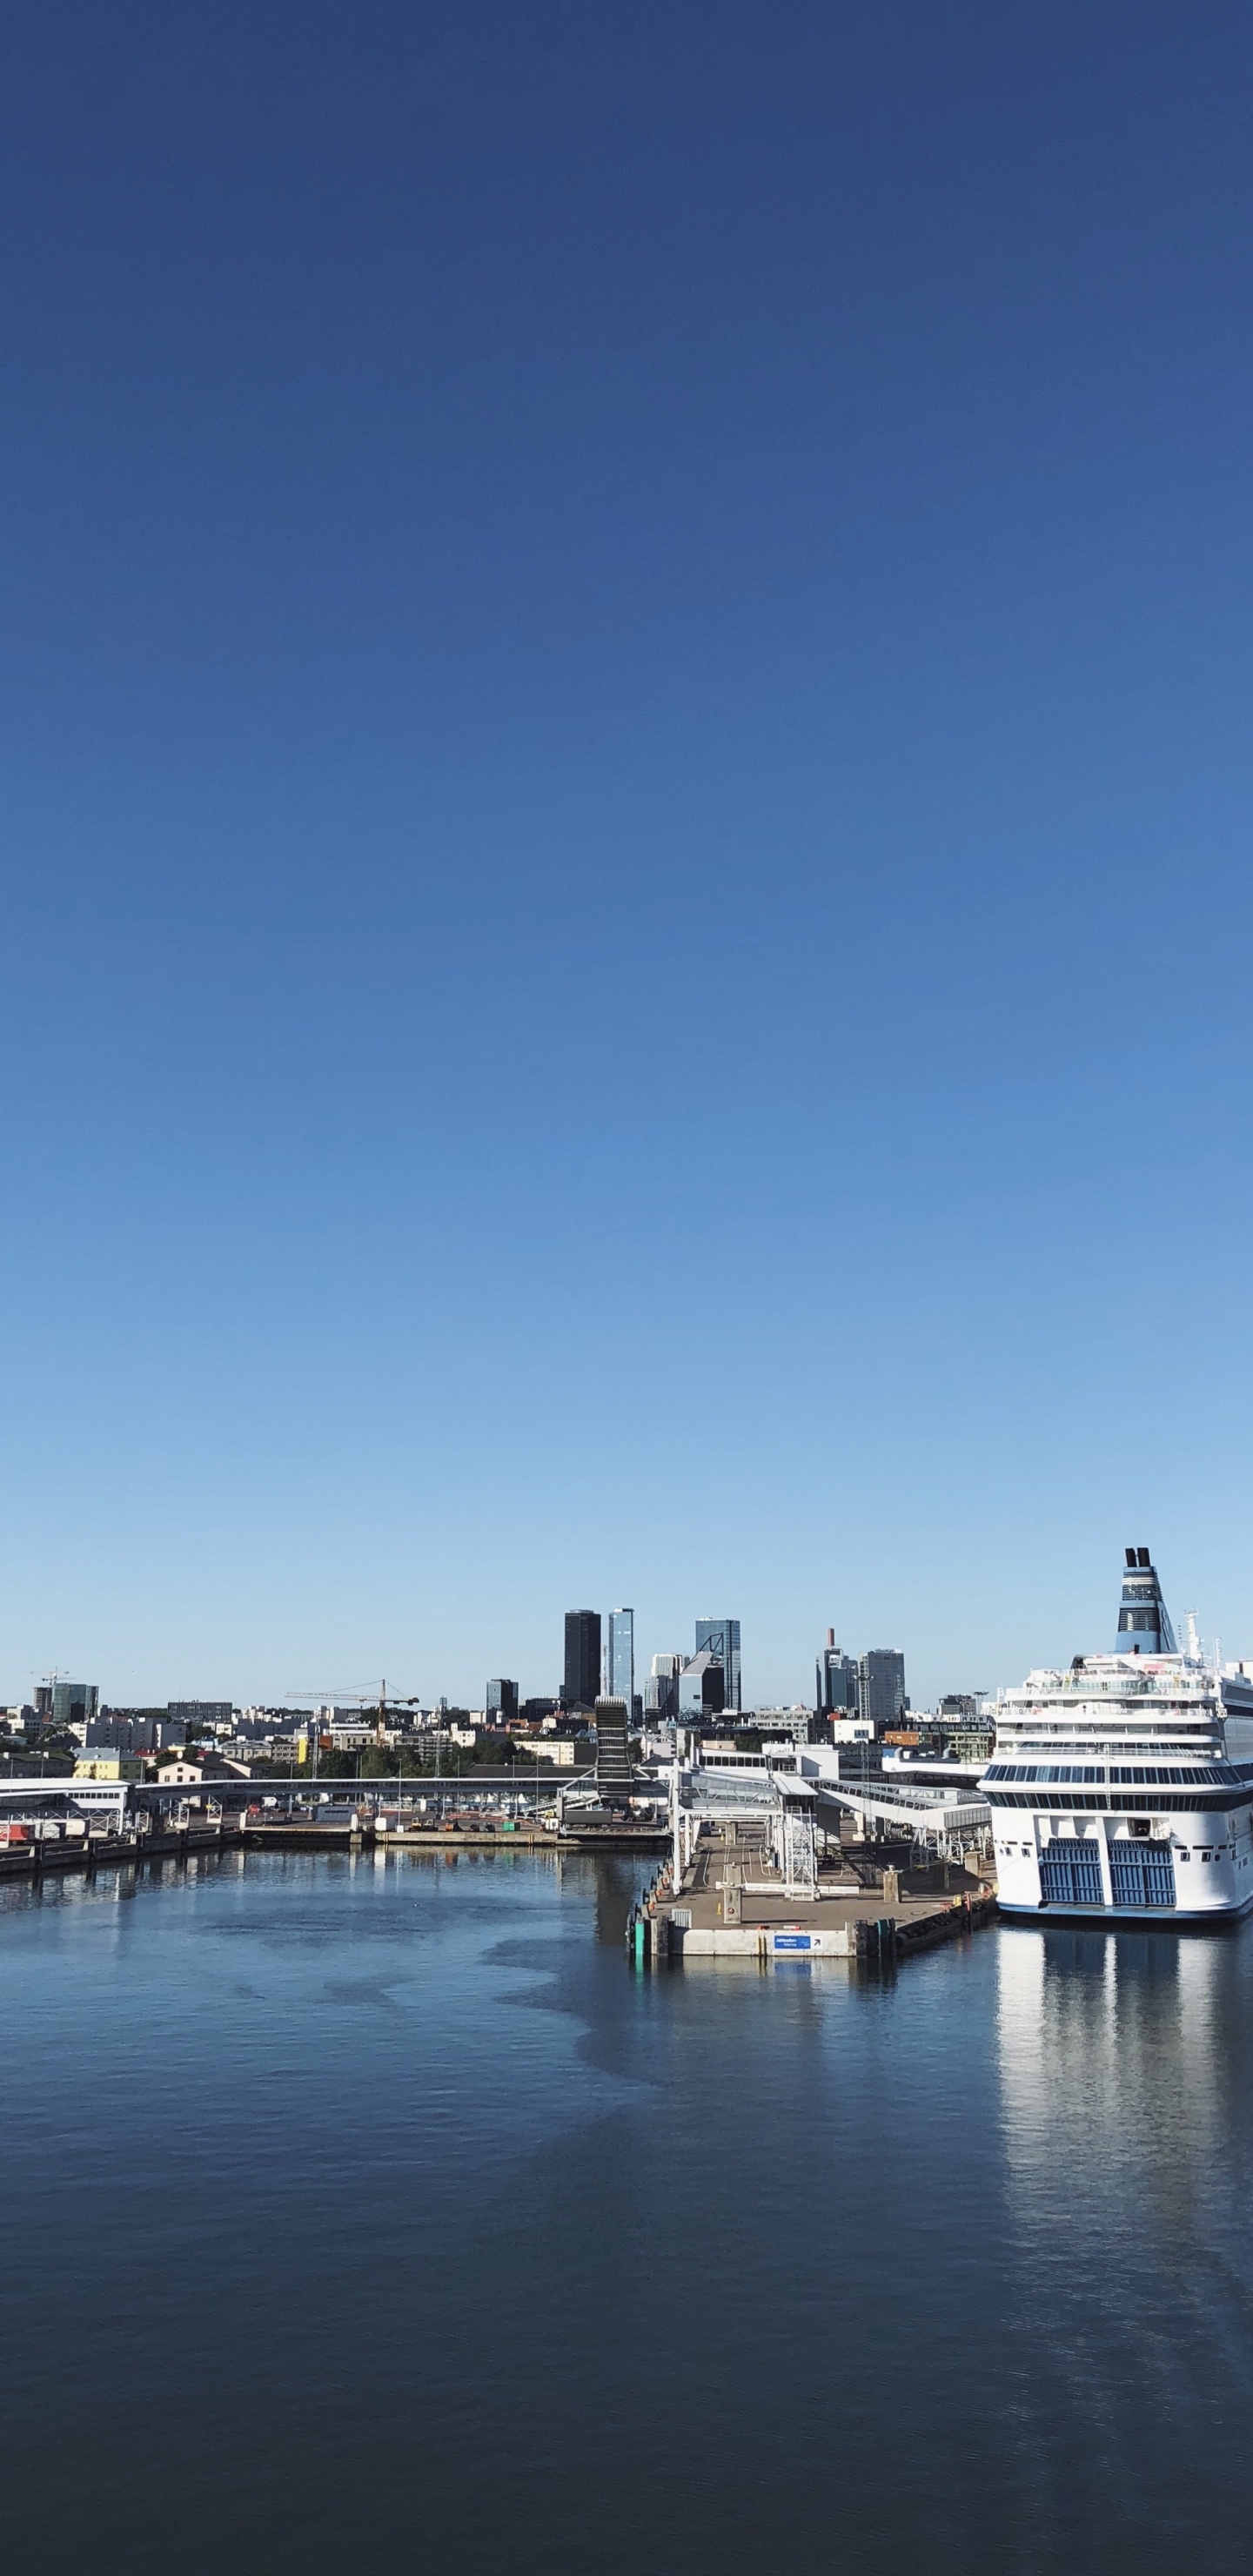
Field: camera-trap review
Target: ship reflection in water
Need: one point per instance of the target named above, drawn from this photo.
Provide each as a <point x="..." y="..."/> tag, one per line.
<point x="1125" y="2105"/>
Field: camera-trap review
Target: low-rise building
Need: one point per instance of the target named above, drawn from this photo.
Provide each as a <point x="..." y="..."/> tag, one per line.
<point x="200" y="1717"/>
<point x="792" y="1721"/>
<point x="105" y="1762"/>
<point x="558" y="1749"/>
<point x="190" y="1775"/>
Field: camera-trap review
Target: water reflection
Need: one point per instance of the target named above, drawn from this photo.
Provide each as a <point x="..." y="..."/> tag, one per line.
<point x="617" y="1879"/>
<point x="1125" y="2099"/>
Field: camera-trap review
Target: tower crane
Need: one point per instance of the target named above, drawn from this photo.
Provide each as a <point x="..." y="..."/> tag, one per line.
<point x="327" y="1694"/>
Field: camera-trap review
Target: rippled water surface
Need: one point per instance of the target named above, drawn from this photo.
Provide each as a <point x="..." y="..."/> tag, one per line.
<point x="354" y="2207"/>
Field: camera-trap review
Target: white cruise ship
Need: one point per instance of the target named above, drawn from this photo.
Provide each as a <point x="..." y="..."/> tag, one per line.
<point x="1123" y="1787"/>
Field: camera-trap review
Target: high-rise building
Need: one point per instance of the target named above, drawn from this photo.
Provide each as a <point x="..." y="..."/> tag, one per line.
<point x="836" y="1692"/>
<point x="702" y="1688"/>
<point x="881" y="1697"/>
<point x="581" y="1688"/>
<point x="75" y="1703"/>
<point x="661" y="1690"/>
<point x="502" y="1701"/>
<point x="721" y="1637"/>
<point x="620" y="1657"/>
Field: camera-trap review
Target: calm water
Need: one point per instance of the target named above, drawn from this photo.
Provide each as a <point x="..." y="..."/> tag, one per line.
<point x="353" y="2207"/>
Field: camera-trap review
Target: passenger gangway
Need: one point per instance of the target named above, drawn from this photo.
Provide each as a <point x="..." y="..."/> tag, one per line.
<point x="946" y="1819"/>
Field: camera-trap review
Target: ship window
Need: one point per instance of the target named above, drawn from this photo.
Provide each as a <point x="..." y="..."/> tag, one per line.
<point x="1184" y="1855"/>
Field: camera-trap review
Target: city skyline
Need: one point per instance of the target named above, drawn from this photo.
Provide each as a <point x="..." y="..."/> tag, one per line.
<point x="598" y="1653"/>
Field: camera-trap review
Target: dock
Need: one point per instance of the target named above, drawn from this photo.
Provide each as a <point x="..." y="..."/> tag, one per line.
<point x="43" y="1854"/>
<point x="39" y="1854"/>
<point x="735" y="1902"/>
<point x="473" y="1832"/>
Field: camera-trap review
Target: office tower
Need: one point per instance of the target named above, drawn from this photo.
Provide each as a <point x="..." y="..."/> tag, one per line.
<point x="702" y="1688"/>
<point x="613" y="1751"/>
<point x="881" y="1688"/>
<point x="836" y="1681"/>
<point x="721" y="1637"/>
<point x="620" y="1658"/>
<point x="582" y="1682"/>
<point x="502" y="1701"/>
<point x="75" y="1703"/>
<point x="661" y="1690"/>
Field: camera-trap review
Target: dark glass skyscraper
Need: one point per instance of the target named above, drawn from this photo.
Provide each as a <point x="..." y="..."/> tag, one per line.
<point x="881" y="1687"/>
<point x="582" y="1679"/>
<point x="836" y="1681"/>
<point x="74" y="1703"/>
<point x="721" y="1637"/>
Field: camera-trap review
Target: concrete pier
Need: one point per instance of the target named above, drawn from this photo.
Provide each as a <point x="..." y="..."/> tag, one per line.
<point x="734" y="1904"/>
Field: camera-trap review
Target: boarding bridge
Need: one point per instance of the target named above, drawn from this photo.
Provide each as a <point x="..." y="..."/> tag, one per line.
<point x="785" y="1806"/>
<point x="944" y="1820"/>
<point x="949" y="1824"/>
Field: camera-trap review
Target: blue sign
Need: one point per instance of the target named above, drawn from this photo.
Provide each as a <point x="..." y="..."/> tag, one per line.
<point x="791" y="1941"/>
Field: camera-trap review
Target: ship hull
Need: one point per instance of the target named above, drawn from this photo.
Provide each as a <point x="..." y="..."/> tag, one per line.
<point x="1193" y="1866"/>
<point x="1121" y="1918"/>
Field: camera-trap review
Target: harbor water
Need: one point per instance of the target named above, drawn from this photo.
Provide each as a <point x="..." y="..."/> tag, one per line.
<point x="366" y="2205"/>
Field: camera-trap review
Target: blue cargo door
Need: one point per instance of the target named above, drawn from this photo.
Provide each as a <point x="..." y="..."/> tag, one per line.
<point x="1142" y="1874"/>
<point x="1070" y="1873"/>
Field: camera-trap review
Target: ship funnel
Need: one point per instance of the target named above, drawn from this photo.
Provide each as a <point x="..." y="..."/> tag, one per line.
<point x="1143" y="1620"/>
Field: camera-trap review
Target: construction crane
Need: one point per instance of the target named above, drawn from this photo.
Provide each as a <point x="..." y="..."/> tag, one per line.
<point x="413" y="1700"/>
<point x="48" y="1682"/>
<point x="327" y="1695"/>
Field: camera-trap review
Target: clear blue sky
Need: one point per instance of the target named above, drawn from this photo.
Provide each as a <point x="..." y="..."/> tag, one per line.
<point x="626" y="802"/>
